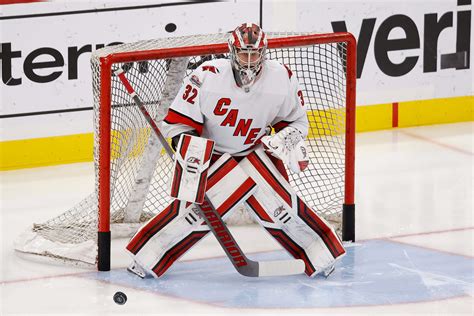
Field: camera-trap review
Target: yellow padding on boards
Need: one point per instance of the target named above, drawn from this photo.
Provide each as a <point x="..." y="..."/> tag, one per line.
<point x="79" y="148"/>
<point x="332" y="122"/>
<point x="373" y="117"/>
<point x="436" y="111"/>
<point x="47" y="151"/>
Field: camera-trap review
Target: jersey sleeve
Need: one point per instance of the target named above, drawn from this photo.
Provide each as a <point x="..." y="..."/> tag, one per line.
<point x="293" y="111"/>
<point x="185" y="114"/>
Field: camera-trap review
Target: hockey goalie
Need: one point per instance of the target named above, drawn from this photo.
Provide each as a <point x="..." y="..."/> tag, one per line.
<point x="220" y="124"/>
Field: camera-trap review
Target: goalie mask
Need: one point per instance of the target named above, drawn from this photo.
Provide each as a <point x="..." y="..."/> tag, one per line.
<point x="247" y="46"/>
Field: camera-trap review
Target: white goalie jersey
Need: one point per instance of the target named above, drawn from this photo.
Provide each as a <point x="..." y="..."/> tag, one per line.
<point x="211" y="103"/>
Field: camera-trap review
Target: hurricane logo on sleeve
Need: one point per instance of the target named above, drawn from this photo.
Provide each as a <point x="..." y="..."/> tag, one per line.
<point x="195" y="79"/>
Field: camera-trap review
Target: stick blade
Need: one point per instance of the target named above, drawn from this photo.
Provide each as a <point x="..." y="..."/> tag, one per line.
<point x="281" y="267"/>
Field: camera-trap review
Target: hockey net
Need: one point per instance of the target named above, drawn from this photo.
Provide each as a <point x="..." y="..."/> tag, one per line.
<point x="132" y="171"/>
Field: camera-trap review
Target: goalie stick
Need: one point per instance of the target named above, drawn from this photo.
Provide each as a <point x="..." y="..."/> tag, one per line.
<point x="241" y="263"/>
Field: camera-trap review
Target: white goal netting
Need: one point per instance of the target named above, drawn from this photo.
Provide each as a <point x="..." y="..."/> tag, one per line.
<point x="139" y="170"/>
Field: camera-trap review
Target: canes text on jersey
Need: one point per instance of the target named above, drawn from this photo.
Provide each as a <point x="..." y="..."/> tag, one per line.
<point x="242" y="126"/>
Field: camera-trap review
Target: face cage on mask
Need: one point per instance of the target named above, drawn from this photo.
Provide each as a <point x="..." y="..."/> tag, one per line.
<point x="247" y="63"/>
<point x="247" y="72"/>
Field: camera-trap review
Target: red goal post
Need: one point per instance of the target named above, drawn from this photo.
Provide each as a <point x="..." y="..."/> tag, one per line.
<point x="132" y="172"/>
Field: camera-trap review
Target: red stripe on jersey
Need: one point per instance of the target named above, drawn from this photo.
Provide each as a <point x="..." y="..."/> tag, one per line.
<point x="280" y="125"/>
<point x="293" y="248"/>
<point x="236" y="196"/>
<point x="263" y="170"/>
<point x="258" y="209"/>
<point x="210" y="68"/>
<point x="177" y="251"/>
<point x="153" y="227"/>
<point x="174" y="117"/>
<point x="221" y="172"/>
<point x="320" y="228"/>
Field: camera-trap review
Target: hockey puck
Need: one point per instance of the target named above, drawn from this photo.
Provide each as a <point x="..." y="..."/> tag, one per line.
<point x="120" y="298"/>
<point x="170" y="27"/>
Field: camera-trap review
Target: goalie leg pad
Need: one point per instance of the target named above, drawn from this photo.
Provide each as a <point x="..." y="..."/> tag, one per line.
<point x="288" y="219"/>
<point x="191" y="165"/>
<point x="171" y="233"/>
